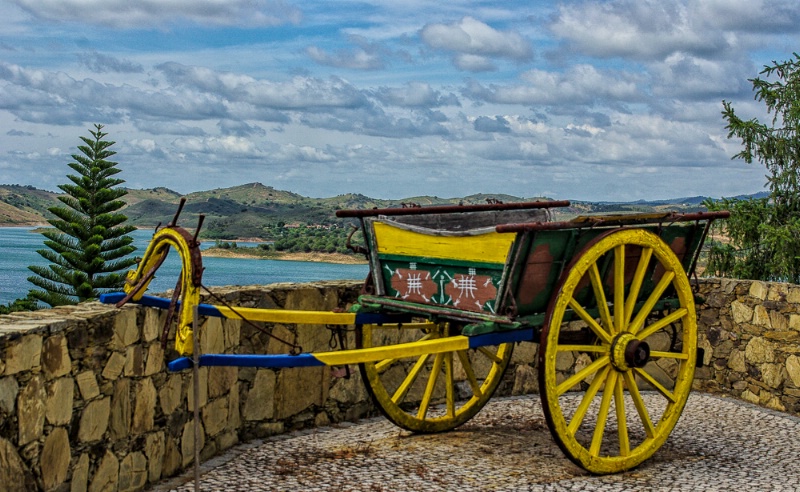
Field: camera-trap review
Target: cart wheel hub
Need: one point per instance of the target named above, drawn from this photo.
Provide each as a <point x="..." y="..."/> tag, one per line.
<point x="628" y="352"/>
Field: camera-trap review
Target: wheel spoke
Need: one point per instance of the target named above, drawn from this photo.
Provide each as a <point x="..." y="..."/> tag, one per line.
<point x="655" y="384"/>
<point x="400" y="394"/>
<point x="582" y="374"/>
<point x="637" y="323"/>
<point x="602" y="414"/>
<point x="593" y="325"/>
<point x="665" y="321"/>
<point x="488" y="353"/>
<point x="655" y="354"/>
<point x="470" y="371"/>
<point x="385" y="364"/>
<point x="622" y="422"/>
<point x="583" y="348"/>
<point x="636" y="283"/>
<point x="619" y="289"/>
<point x="580" y="412"/>
<point x="426" y="398"/>
<point x="600" y="297"/>
<point x="449" y="385"/>
<point x="641" y="409"/>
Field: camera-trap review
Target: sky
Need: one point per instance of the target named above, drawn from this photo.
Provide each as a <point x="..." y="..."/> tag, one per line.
<point x="616" y="100"/>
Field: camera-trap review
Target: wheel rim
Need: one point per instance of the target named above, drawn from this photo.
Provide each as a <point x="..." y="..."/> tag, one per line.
<point x="628" y="364"/>
<point x="432" y="392"/>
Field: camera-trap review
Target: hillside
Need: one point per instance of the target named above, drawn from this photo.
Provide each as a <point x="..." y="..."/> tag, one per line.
<point x="252" y="210"/>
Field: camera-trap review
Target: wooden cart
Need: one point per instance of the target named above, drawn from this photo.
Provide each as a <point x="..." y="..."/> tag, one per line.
<point x="452" y="289"/>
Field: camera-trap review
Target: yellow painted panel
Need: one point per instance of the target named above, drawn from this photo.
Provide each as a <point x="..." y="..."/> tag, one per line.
<point x="288" y="316"/>
<point x="343" y="357"/>
<point x="491" y="247"/>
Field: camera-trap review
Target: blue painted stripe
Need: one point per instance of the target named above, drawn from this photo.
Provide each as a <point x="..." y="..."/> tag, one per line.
<point x="524" y="335"/>
<point x="248" y="360"/>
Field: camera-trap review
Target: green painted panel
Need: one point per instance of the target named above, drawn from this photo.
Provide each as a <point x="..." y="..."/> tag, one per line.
<point x="461" y="285"/>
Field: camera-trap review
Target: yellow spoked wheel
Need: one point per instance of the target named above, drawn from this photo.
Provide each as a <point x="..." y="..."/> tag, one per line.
<point x="612" y="399"/>
<point x="432" y="392"/>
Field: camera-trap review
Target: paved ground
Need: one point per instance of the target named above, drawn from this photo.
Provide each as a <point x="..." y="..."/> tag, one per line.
<point x="719" y="444"/>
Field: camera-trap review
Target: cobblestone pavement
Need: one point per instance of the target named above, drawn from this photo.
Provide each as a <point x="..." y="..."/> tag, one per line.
<point x="719" y="444"/>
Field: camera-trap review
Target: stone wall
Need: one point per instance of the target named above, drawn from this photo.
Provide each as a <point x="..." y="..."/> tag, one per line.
<point x="86" y="402"/>
<point x="750" y="331"/>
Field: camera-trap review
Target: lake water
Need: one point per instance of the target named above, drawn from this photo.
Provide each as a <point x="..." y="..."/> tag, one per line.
<point x="18" y="247"/>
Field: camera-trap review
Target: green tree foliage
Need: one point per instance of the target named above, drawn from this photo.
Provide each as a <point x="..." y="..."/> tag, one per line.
<point x="89" y="244"/>
<point x="765" y="234"/>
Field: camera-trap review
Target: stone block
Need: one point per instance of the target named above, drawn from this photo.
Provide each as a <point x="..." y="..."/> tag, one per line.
<point x="281" y="332"/>
<point x="31" y="410"/>
<point x="58" y="408"/>
<point x="794" y="322"/>
<point x="525" y="353"/>
<point x="741" y="313"/>
<point x="145" y="406"/>
<point x="736" y="362"/>
<point x="778" y="321"/>
<point x="525" y="380"/>
<point x="106" y="476"/>
<point x="188" y="442"/>
<point x="793" y="368"/>
<point x="154" y="451"/>
<point x="155" y="359"/>
<point x="778" y="292"/>
<point x="299" y="388"/>
<point x="132" y="472"/>
<point x="232" y="329"/>
<point x="14" y="474"/>
<point x="260" y="399"/>
<point x="227" y="440"/>
<point x="761" y="317"/>
<point x="23" y="354"/>
<point x="234" y="409"/>
<point x="126" y="330"/>
<point x="9" y="389"/>
<point x="203" y="380"/>
<point x="172" y="459"/>
<point x="153" y="324"/>
<point x="215" y="416"/>
<point x="759" y="350"/>
<point x="212" y="338"/>
<point x="794" y="295"/>
<point x="114" y="366"/>
<point x="55" y="357"/>
<point x="772" y="375"/>
<point x="170" y="394"/>
<point x="55" y="458"/>
<point x="134" y="361"/>
<point x="80" y="474"/>
<point x="87" y="384"/>
<point x="120" y="418"/>
<point x="758" y="290"/>
<point x="94" y="420"/>
<point x="220" y="380"/>
<point x="351" y="390"/>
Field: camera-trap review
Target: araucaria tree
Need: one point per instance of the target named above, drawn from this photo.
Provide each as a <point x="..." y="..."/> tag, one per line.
<point x="89" y="244"/>
<point x="765" y="234"/>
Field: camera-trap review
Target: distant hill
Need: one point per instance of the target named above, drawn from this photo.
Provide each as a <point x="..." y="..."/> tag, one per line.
<point x="250" y="209"/>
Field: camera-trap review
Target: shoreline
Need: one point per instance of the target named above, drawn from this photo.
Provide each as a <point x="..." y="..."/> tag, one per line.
<point x="314" y="257"/>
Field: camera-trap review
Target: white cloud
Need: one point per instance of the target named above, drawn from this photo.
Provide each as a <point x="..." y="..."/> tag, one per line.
<point x="154" y="13"/>
<point x="473" y="42"/>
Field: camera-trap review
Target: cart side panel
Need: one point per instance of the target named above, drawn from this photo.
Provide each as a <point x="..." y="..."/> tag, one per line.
<point x="546" y="254"/>
<point x="462" y="270"/>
